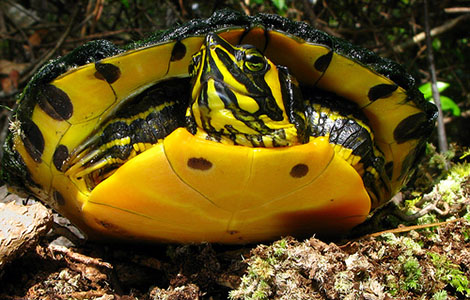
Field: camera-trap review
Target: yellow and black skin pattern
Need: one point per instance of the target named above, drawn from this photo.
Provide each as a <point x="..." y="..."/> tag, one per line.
<point x="231" y="129"/>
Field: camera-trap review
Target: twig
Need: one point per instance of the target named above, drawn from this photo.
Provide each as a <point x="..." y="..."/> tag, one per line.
<point x="244" y="6"/>
<point x="434" y="32"/>
<point x="441" y="133"/>
<point x="184" y="13"/>
<point x="455" y="10"/>
<point x="428" y="208"/>
<point x="400" y="230"/>
<point x="49" y="54"/>
<point x="75" y="256"/>
<point x="100" y="294"/>
<point x="310" y="13"/>
<point x="24" y="36"/>
<point x="409" y="228"/>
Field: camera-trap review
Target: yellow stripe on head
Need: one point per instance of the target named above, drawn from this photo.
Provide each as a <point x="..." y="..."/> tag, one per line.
<point x="239" y="97"/>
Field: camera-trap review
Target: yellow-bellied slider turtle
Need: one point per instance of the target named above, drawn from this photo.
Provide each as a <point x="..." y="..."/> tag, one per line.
<point x="230" y="129"/>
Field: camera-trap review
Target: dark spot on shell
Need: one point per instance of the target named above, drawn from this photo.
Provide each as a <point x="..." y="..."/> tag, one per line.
<point x="199" y="163"/>
<point x="104" y="224"/>
<point x="412" y="127"/>
<point x="33" y="140"/>
<point x="112" y="228"/>
<point x="61" y="154"/>
<point x="381" y="91"/>
<point x="178" y="52"/>
<point x="59" y="199"/>
<point x="299" y="170"/>
<point x="233" y="232"/>
<point x="55" y="102"/>
<point x="322" y="63"/>
<point x="108" y="72"/>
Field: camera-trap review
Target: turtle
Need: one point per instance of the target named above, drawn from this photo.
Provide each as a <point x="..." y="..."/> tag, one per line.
<point x="229" y="129"/>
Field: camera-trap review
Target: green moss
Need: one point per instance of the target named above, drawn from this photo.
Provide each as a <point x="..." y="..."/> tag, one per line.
<point x="256" y="283"/>
<point x="444" y="202"/>
<point x="261" y="268"/>
<point x="441" y="295"/>
<point x="466" y="233"/>
<point x="412" y="272"/>
<point x="406" y="244"/>
<point x="280" y="248"/>
<point x="262" y="292"/>
<point x="392" y="285"/>
<point x="343" y="283"/>
<point x="450" y="273"/>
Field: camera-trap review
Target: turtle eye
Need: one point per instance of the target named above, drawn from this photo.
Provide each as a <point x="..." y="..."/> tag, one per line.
<point x="194" y="64"/>
<point x="254" y="61"/>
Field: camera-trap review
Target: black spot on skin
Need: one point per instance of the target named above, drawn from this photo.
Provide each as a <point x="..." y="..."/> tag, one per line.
<point x="412" y="127"/>
<point x="299" y="170"/>
<point x="178" y="52"/>
<point x="61" y="154"/>
<point x="232" y="232"/>
<point x="323" y="62"/>
<point x="381" y="91"/>
<point x="108" y="72"/>
<point x="199" y="163"/>
<point x="55" y="102"/>
<point x="33" y="140"/>
<point x="59" y="199"/>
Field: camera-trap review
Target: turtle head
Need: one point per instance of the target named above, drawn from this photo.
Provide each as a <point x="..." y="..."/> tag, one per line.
<point x="239" y="96"/>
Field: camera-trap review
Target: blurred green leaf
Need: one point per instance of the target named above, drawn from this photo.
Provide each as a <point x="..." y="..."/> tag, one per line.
<point x="427" y="91"/>
<point x="449" y="104"/>
<point x="436" y="44"/>
<point x="280" y="5"/>
<point x="125" y="3"/>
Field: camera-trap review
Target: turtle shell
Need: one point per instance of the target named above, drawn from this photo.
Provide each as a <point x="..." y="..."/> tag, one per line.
<point x="182" y="188"/>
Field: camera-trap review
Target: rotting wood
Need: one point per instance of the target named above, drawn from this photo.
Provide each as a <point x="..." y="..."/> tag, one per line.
<point x="20" y="228"/>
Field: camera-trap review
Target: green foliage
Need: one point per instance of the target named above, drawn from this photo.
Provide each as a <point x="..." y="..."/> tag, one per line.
<point x="344" y="283"/>
<point x="465" y="154"/>
<point x="125" y="3"/>
<point x="466" y="233"/>
<point x="280" y="5"/>
<point x="413" y="273"/>
<point x="436" y="44"/>
<point x="280" y="248"/>
<point x="392" y="285"/>
<point x="257" y="282"/>
<point x="441" y="295"/>
<point x="450" y="273"/>
<point x="427" y="90"/>
<point x="6" y="107"/>
<point x="447" y="104"/>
